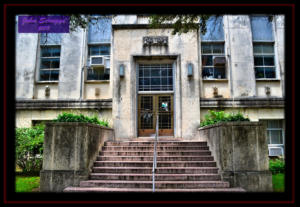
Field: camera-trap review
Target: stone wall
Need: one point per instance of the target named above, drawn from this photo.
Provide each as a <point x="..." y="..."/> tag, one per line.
<point x="69" y="152"/>
<point x="241" y="152"/>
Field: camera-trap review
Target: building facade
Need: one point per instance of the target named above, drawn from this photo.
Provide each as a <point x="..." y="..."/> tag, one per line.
<point x="121" y="70"/>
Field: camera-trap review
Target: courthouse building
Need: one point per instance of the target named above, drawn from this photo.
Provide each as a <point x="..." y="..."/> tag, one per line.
<point x="123" y="71"/>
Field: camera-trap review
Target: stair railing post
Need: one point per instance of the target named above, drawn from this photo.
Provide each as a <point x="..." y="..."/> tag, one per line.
<point x="154" y="155"/>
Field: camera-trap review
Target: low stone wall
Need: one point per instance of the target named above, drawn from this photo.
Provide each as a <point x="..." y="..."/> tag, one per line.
<point x="69" y="152"/>
<point x="241" y="152"/>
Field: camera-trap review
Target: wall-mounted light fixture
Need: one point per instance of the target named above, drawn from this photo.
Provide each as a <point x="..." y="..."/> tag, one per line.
<point x="190" y="70"/>
<point x="97" y="91"/>
<point x="268" y="90"/>
<point x="122" y="70"/>
<point x="47" y="91"/>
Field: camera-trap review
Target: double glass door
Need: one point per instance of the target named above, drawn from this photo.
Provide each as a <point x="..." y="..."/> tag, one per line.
<point x="149" y="106"/>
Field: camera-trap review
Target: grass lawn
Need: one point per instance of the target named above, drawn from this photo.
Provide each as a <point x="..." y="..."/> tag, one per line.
<point x="278" y="182"/>
<point x="26" y="183"/>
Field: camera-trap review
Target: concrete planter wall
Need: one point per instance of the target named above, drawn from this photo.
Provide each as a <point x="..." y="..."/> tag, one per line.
<point x="69" y="152"/>
<point x="241" y="152"/>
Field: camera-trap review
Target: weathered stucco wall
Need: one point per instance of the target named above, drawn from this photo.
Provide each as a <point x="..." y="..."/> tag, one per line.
<point x="241" y="152"/>
<point x="90" y="90"/>
<point x="275" y="88"/>
<point x="26" y="56"/>
<point x="39" y="92"/>
<point x="69" y="152"/>
<point x="72" y="51"/>
<point x="24" y="117"/>
<point x="279" y="28"/>
<point x="238" y="41"/>
<point x="128" y="44"/>
<point x="208" y="89"/>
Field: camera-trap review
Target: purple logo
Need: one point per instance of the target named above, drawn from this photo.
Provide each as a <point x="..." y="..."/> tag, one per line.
<point x="43" y="24"/>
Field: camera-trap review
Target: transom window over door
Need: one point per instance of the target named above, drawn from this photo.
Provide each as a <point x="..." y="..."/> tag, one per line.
<point x="155" y="77"/>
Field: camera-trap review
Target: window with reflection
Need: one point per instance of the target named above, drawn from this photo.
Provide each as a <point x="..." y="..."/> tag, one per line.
<point x="99" y="37"/>
<point x="212" y="49"/>
<point x="263" y="47"/>
<point x="49" y="63"/>
<point x="155" y="77"/>
<point x="49" y="56"/>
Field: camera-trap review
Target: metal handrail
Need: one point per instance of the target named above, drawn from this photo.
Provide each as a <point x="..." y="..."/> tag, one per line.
<point x="154" y="155"/>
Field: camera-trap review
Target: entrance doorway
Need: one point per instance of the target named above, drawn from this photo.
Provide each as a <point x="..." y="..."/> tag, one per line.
<point x="149" y="106"/>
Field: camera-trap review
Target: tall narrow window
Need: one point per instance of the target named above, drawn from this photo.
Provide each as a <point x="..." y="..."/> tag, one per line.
<point x="49" y="56"/>
<point x="212" y="49"/>
<point x="275" y="137"/>
<point x="99" y="37"/>
<point x="49" y="65"/>
<point x="263" y="47"/>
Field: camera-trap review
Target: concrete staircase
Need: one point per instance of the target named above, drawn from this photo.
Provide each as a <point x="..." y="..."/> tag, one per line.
<point x="181" y="167"/>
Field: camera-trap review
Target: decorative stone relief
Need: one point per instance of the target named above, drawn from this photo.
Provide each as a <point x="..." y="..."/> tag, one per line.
<point x="155" y="41"/>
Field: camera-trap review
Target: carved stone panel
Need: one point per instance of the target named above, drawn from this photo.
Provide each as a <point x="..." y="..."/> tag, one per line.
<point x="155" y="41"/>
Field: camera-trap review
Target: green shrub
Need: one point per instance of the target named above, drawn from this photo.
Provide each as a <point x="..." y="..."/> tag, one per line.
<point x="69" y="117"/>
<point x="214" y="117"/>
<point x="29" y="148"/>
<point x="277" y="165"/>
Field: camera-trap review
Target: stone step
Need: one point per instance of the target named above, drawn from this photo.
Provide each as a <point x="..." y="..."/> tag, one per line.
<point x="159" y="153"/>
<point x="159" y="164"/>
<point x="99" y="189"/>
<point x="158" y="177"/>
<point x="151" y="148"/>
<point x="159" y="158"/>
<point x="158" y="184"/>
<point x="160" y="170"/>
<point x="158" y="144"/>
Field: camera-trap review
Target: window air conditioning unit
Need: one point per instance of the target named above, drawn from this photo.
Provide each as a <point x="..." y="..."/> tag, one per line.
<point x="219" y="60"/>
<point x="97" y="61"/>
<point x="275" y="151"/>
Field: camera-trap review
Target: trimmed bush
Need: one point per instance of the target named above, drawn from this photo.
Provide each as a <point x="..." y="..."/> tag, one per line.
<point x="69" y="117"/>
<point x="214" y="117"/>
<point x="29" y="148"/>
<point x="277" y="165"/>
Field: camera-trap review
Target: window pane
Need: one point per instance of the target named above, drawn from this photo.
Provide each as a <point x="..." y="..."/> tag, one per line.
<point x="54" y="62"/>
<point x="267" y="48"/>
<point x="44" y="75"/>
<point x="208" y="73"/>
<point x="45" y="52"/>
<point x="155" y="72"/>
<point x="269" y="60"/>
<point x="94" y="50"/>
<point x="219" y="73"/>
<point x="214" y="26"/>
<point x="99" y="30"/>
<point x="276" y="137"/>
<point x="147" y="72"/>
<point x="258" y="61"/>
<point x="55" y="51"/>
<point x="141" y="73"/>
<point x="104" y="50"/>
<point x="218" y="48"/>
<point x="170" y="81"/>
<point x="257" y="48"/>
<point x="54" y="75"/>
<point x="206" y="48"/>
<point x="270" y="72"/>
<point x="274" y="124"/>
<point x="155" y="81"/>
<point x="259" y="72"/>
<point x="261" y="28"/>
<point x="164" y="72"/>
<point x="207" y="60"/>
<point x="45" y="63"/>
